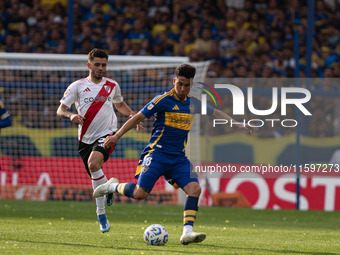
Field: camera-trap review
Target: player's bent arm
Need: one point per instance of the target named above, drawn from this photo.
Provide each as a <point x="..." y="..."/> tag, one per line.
<point x="63" y="112"/>
<point x="134" y="121"/>
<point x="123" y="108"/>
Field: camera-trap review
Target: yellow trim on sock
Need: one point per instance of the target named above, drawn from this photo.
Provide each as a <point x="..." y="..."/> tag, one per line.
<point x="120" y="188"/>
<point x="187" y="219"/>
<point x="190" y="212"/>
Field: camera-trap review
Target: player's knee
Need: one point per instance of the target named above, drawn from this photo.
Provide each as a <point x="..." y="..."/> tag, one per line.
<point x="140" y="194"/>
<point x="94" y="166"/>
<point x="196" y="190"/>
<point x="193" y="189"/>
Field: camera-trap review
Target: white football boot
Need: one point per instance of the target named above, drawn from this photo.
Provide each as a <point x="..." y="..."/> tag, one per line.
<point x="103" y="189"/>
<point x="192" y="237"/>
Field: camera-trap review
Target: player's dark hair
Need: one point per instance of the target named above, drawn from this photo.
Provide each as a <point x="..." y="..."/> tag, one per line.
<point x="97" y="53"/>
<point x="186" y="70"/>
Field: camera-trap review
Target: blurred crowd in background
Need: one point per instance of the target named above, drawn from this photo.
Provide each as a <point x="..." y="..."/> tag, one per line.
<point x="242" y="38"/>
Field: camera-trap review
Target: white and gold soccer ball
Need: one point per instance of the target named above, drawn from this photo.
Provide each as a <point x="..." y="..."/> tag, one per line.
<point x="156" y="234"/>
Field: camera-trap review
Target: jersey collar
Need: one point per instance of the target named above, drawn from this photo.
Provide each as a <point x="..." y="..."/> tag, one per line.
<point x="100" y="83"/>
<point x="176" y="97"/>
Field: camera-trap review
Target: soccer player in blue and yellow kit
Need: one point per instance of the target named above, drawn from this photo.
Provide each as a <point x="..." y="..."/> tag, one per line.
<point x="165" y="153"/>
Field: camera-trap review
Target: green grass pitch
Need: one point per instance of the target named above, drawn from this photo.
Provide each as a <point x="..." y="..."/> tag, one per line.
<point x="28" y="227"/>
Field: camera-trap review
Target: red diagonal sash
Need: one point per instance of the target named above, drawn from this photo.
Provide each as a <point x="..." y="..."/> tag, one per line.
<point x="96" y="106"/>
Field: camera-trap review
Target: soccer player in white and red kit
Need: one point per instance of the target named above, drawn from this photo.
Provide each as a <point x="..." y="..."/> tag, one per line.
<point x="94" y="97"/>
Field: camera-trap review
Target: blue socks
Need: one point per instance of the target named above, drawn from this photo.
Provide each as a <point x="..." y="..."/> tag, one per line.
<point x="126" y="189"/>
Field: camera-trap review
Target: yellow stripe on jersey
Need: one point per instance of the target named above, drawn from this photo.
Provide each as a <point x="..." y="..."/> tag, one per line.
<point x="159" y="137"/>
<point x="2" y="106"/>
<point x="192" y="118"/>
<point x="139" y="167"/>
<point x="178" y="120"/>
<point x="159" y="98"/>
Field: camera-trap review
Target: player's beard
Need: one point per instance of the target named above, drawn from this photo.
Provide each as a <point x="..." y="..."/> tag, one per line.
<point x="98" y="76"/>
<point x="180" y="95"/>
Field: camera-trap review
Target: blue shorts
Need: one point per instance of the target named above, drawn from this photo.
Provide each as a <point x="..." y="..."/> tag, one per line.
<point x="176" y="168"/>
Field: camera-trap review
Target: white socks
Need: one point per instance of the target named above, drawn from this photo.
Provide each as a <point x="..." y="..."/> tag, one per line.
<point x="113" y="187"/>
<point x="187" y="229"/>
<point x="99" y="178"/>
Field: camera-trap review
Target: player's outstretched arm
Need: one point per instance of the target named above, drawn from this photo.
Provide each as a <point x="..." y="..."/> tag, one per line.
<point x="113" y="139"/>
<point x="221" y="115"/>
<point x="62" y="112"/>
<point x="123" y="108"/>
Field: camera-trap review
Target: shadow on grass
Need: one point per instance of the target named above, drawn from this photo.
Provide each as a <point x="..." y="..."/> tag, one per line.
<point x="175" y="248"/>
<point x="250" y="250"/>
<point x="150" y="248"/>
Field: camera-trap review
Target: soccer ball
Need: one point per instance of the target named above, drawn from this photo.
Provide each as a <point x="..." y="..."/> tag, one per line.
<point x="156" y="234"/>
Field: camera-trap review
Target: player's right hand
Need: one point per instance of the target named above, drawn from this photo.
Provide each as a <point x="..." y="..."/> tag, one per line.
<point x="77" y="119"/>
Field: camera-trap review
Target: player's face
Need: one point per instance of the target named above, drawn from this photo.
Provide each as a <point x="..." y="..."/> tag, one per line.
<point x="182" y="86"/>
<point x="97" y="68"/>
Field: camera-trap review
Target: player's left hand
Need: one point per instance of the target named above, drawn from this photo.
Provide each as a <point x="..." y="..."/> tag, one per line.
<point x="139" y="125"/>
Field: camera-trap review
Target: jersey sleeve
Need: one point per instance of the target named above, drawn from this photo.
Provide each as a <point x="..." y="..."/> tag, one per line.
<point x="118" y="98"/>
<point x="152" y="107"/>
<point x="197" y="105"/>
<point x="70" y="95"/>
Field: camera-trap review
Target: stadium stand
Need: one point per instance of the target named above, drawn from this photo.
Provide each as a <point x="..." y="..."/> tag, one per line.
<point x="247" y="33"/>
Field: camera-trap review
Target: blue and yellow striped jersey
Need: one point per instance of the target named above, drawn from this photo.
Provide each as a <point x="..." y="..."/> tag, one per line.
<point x="173" y="120"/>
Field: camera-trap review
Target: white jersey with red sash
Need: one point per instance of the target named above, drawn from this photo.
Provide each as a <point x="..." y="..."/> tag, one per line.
<point x="95" y="103"/>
